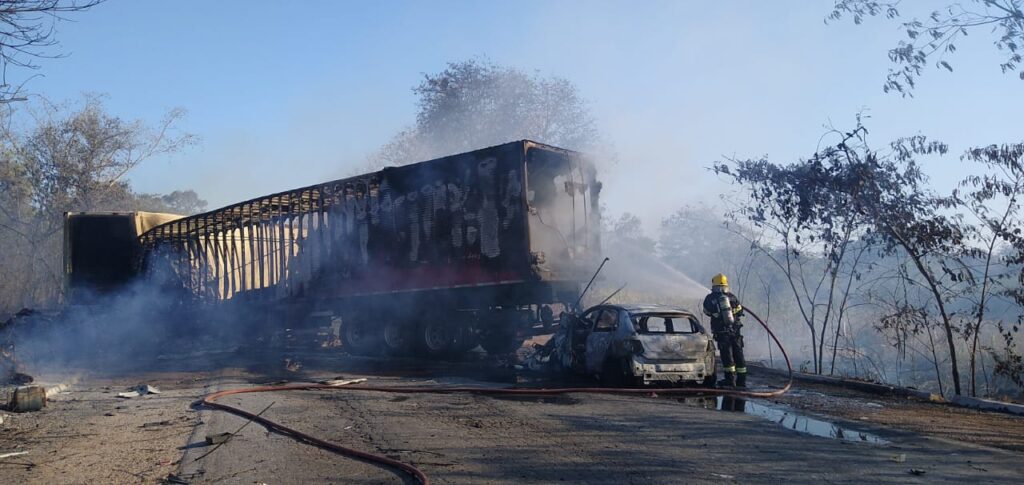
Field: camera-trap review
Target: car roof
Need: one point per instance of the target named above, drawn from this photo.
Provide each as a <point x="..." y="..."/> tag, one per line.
<point x="649" y="308"/>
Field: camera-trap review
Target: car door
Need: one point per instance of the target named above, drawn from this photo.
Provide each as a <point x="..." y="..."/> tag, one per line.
<point x="606" y="322"/>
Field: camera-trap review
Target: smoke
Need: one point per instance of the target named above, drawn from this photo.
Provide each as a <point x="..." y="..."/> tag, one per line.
<point x="146" y="325"/>
<point x="643" y="277"/>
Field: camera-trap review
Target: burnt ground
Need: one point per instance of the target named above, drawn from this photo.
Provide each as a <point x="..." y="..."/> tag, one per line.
<point x="88" y="435"/>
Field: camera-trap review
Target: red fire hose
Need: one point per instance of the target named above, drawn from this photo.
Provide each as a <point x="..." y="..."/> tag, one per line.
<point x="210" y="401"/>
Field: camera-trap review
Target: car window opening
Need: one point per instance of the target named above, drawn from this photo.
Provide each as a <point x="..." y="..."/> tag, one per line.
<point x="648" y="323"/>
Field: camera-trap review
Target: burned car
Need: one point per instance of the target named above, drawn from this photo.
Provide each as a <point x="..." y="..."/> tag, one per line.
<point x="634" y="345"/>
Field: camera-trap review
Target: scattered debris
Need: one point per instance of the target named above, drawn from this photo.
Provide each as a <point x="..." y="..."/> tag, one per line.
<point x="342" y="382"/>
<point x="723" y="476"/>
<point x="292" y="365"/>
<point x="154" y="424"/>
<point x="27" y="398"/>
<point x="216" y="439"/>
<point x="899" y="458"/>
<point x="916" y="471"/>
<point x="142" y="390"/>
<point x="9" y="455"/>
<point x="53" y="391"/>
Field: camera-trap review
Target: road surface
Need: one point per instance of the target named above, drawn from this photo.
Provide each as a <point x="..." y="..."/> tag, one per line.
<point x="814" y="434"/>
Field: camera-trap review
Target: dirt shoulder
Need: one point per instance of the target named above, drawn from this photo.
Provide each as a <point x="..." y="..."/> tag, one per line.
<point x="945" y="421"/>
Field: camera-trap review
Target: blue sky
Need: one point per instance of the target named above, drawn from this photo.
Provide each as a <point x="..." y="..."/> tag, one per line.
<point x="285" y="94"/>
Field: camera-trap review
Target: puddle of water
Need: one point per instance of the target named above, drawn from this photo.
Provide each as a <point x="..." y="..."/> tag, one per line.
<point x="786" y="418"/>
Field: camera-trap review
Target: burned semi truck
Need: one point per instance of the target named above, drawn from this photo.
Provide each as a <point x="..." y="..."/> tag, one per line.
<point x="432" y="258"/>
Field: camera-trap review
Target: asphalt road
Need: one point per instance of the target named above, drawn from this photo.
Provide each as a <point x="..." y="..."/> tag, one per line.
<point x="88" y="435"/>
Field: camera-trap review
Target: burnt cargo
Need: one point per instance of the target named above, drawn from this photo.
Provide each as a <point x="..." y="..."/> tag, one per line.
<point x="102" y="251"/>
<point x="521" y="215"/>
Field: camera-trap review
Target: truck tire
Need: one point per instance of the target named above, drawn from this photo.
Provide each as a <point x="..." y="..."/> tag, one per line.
<point x="356" y="338"/>
<point x="397" y="338"/>
<point x="466" y="338"/>
<point x="438" y="337"/>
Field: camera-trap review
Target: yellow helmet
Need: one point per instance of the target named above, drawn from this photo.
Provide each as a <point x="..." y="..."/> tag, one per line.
<point x="719" y="280"/>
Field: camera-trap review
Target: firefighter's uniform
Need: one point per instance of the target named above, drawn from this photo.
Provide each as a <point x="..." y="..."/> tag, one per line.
<point x="726" y="329"/>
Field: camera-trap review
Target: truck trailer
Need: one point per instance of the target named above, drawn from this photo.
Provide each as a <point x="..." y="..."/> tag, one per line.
<point x="433" y="257"/>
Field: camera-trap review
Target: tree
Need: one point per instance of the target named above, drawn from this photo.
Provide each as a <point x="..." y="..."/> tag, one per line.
<point x="628" y="228"/>
<point x="995" y="202"/>
<point x="805" y="232"/>
<point x="699" y="242"/>
<point x="886" y="192"/>
<point x="474" y="104"/>
<point x="71" y="158"/>
<point x="27" y="31"/>
<point x="184" y="202"/>
<point x="935" y="37"/>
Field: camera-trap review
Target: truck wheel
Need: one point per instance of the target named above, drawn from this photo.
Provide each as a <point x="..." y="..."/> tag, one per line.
<point x="464" y="339"/>
<point x="438" y="337"/>
<point x="397" y="339"/>
<point x="356" y="338"/>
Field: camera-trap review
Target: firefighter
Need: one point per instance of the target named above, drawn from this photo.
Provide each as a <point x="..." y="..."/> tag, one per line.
<point x="725" y="311"/>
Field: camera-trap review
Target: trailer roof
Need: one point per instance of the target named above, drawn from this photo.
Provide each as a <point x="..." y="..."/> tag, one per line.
<point x="302" y="200"/>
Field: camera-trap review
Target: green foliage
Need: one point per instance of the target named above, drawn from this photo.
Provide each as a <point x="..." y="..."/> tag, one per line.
<point x="474" y="104"/>
<point x="184" y="202"/>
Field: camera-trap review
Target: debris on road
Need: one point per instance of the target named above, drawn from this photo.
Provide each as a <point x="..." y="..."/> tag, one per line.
<point x="53" y="391"/>
<point x="916" y="471"/>
<point x="292" y="365"/>
<point x="216" y="439"/>
<point x="341" y="382"/>
<point x="27" y="398"/>
<point x="9" y="455"/>
<point x="142" y="390"/>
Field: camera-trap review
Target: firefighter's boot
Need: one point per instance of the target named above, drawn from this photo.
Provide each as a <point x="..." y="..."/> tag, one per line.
<point x="728" y="381"/>
<point x="741" y="379"/>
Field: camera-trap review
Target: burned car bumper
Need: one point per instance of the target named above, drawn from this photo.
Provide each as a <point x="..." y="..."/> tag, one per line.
<point x="670" y="371"/>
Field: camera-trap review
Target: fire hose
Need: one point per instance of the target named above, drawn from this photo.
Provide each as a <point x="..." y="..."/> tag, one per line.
<point x="211" y="401"/>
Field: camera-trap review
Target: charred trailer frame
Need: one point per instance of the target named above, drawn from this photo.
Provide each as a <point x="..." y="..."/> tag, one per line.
<point x="102" y="251"/>
<point x="433" y="257"/>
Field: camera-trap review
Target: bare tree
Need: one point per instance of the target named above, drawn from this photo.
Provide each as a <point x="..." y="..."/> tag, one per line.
<point x="807" y="231"/>
<point x="71" y="158"/>
<point x="27" y="33"/>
